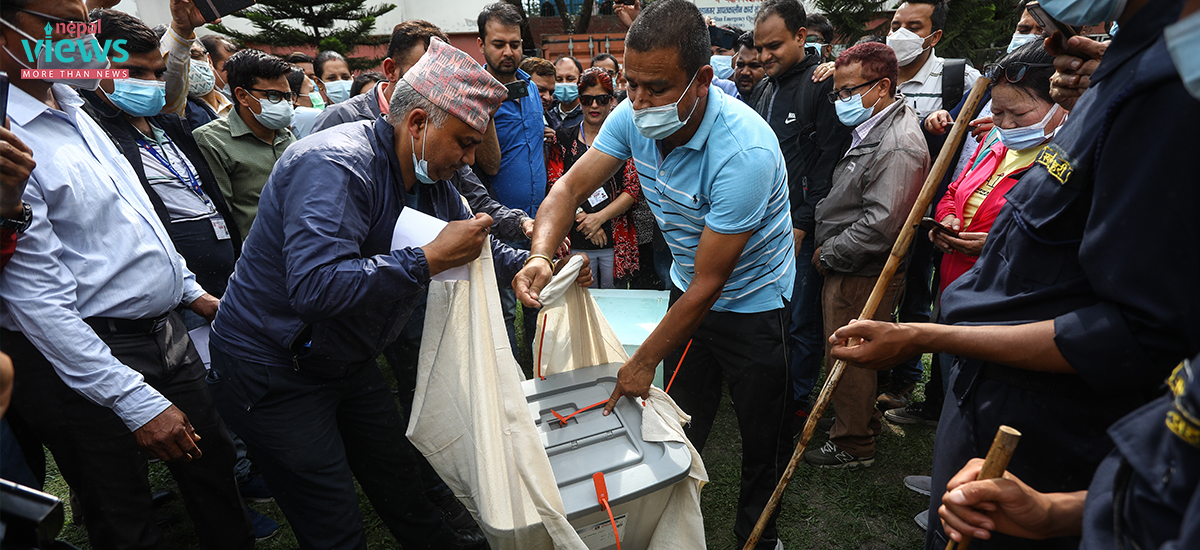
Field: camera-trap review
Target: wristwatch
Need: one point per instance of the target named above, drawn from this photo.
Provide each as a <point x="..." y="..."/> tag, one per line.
<point x="19" y="225"/>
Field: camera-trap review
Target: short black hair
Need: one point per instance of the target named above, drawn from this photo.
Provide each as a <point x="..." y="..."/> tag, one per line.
<point x="10" y="6"/>
<point x="298" y="57"/>
<point x="871" y="38"/>
<point x="676" y="25"/>
<point x="407" y="34"/>
<point x="505" y="14"/>
<point x="364" y="79"/>
<point x="578" y="65"/>
<point x="244" y="68"/>
<point x="296" y="79"/>
<point x="325" y="57"/>
<point x="938" y="18"/>
<point x="736" y="30"/>
<point x="1036" y="82"/>
<point x="746" y="40"/>
<point x="118" y="25"/>
<point x="791" y="11"/>
<point x="218" y="46"/>
<point x="821" y="24"/>
<point x="604" y="56"/>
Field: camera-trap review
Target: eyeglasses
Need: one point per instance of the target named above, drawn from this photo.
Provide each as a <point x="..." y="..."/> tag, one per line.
<point x="845" y="94"/>
<point x="275" y="96"/>
<point x="602" y="99"/>
<point x="1013" y="72"/>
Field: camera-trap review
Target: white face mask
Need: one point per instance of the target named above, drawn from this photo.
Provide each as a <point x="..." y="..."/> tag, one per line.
<point x="275" y="116"/>
<point x="907" y="45"/>
<point x="662" y="121"/>
<point x="200" y="78"/>
<point x="1019" y="40"/>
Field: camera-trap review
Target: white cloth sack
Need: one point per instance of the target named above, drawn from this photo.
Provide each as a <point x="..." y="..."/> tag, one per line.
<point x="471" y="420"/>
<point x="571" y="330"/>
<point x="576" y="336"/>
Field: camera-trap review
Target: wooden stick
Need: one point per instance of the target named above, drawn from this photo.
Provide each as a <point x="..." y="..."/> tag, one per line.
<point x="993" y="467"/>
<point x="945" y="159"/>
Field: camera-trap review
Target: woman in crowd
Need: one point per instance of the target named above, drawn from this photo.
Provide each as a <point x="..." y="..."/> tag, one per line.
<point x="334" y="71"/>
<point x="604" y="231"/>
<point x="205" y="102"/>
<point x="308" y="104"/>
<point x="1025" y="119"/>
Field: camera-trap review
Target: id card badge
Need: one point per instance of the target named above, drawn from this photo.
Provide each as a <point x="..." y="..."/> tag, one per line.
<point x="598" y="197"/>
<point x="220" y="229"/>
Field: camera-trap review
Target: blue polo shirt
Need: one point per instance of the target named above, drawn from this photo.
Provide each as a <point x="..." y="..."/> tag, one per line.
<point x="731" y="178"/>
<point x="521" y="181"/>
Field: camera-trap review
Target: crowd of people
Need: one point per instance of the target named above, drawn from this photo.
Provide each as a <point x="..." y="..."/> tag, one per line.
<point x="763" y="184"/>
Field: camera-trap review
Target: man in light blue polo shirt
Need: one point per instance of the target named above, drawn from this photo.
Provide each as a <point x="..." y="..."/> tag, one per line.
<point x="714" y="176"/>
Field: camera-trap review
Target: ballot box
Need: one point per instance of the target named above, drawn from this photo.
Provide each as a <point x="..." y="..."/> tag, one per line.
<point x="633" y="315"/>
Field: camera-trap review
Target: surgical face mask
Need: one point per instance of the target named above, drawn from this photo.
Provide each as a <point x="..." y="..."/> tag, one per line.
<point x="661" y="122"/>
<point x="315" y="96"/>
<point x="1083" y="12"/>
<point x="722" y="66"/>
<point x="907" y="45"/>
<point x="566" y="92"/>
<point x="200" y="78"/>
<point x="95" y="59"/>
<point x="139" y="97"/>
<point x="1025" y="137"/>
<point x="420" y="166"/>
<point x="1019" y="40"/>
<point x="338" y="90"/>
<point x="275" y="116"/>
<point x="1183" y="42"/>
<point x="851" y="111"/>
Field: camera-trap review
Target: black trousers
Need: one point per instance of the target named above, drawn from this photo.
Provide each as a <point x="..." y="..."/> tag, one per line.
<point x="311" y="437"/>
<point x="100" y="459"/>
<point x="748" y="352"/>
<point x="1063" y="439"/>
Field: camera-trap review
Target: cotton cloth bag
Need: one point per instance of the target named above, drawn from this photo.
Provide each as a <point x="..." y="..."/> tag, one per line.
<point x="471" y="420"/>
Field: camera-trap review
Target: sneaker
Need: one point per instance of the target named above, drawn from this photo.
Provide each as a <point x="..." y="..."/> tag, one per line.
<point x="919" y="413"/>
<point x="825" y="424"/>
<point x="922" y="520"/>
<point x="898" y="394"/>
<point x="830" y="456"/>
<point x="920" y="484"/>
<point x="263" y="526"/>
<point x="455" y="514"/>
<point x="255" y="489"/>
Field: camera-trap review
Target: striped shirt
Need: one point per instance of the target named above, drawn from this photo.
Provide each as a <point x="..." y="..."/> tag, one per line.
<point x="731" y="178"/>
<point x="924" y="89"/>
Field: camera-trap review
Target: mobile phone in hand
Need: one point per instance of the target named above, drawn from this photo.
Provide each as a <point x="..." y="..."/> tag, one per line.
<point x="722" y="38"/>
<point x="3" y="96"/>
<point x="517" y="89"/>
<point x="1050" y="24"/>
<point x="930" y="224"/>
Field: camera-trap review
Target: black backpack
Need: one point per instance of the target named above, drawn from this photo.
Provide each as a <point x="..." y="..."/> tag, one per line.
<point x="954" y="74"/>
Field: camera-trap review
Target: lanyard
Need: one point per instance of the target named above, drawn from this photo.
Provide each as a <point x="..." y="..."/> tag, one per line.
<point x="191" y="181"/>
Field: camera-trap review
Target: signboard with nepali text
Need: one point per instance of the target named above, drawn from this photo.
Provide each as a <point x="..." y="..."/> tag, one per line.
<point x="736" y="13"/>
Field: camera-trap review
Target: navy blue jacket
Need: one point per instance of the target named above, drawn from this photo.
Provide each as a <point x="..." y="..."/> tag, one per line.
<point x="1101" y="235"/>
<point x="317" y="287"/>
<point x="1145" y="492"/>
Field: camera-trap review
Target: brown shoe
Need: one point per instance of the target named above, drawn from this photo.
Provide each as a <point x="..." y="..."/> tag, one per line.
<point x="898" y="395"/>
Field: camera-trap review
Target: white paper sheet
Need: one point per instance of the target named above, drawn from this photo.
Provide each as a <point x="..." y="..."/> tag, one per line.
<point x="200" y="340"/>
<point x="416" y="229"/>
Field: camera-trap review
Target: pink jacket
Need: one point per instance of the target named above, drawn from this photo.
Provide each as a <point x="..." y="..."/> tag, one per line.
<point x="978" y="172"/>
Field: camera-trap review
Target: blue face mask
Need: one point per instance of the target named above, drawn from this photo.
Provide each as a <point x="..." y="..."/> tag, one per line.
<point x="851" y="111"/>
<point x="1019" y="40"/>
<point x="419" y="165"/>
<point x="1183" y="42"/>
<point x="722" y="66"/>
<point x="139" y="97"/>
<point x="566" y="92"/>
<point x="660" y="122"/>
<point x="1027" y="137"/>
<point x="1083" y="12"/>
<point x="338" y="90"/>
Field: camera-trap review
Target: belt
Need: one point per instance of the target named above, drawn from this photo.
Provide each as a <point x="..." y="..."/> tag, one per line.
<point x="109" y="325"/>
<point x="1066" y="385"/>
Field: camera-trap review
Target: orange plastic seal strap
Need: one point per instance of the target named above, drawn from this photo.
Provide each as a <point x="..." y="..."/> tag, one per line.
<point x="602" y="497"/>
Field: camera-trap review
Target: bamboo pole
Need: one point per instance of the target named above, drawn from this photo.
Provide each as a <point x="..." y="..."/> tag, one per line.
<point x="993" y="467"/>
<point x="945" y="159"/>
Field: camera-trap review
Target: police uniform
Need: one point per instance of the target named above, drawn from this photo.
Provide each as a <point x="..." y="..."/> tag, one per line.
<point x="1144" y="494"/>
<point x="1100" y="238"/>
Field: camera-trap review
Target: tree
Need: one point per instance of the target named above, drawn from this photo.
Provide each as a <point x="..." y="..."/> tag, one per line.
<point x="338" y="25"/>
<point x="579" y="24"/>
<point x="973" y="27"/>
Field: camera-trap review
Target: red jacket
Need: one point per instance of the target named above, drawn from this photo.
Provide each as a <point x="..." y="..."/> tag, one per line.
<point x="979" y="171"/>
